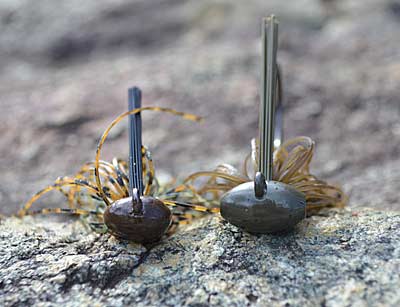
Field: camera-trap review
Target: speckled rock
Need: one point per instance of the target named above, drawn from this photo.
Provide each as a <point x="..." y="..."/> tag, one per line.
<point x="339" y="258"/>
<point x="65" y="70"/>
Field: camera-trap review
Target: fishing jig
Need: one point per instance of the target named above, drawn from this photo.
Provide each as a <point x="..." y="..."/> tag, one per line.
<point x="123" y="204"/>
<point x="277" y="197"/>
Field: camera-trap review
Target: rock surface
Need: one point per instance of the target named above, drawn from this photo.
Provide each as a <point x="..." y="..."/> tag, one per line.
<point x="64" y="72"/>
<point x="340" y="258"/>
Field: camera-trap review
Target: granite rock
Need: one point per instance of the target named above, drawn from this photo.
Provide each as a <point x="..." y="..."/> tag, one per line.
<point x="65" y="70"/>
<point x="338" y="258"/>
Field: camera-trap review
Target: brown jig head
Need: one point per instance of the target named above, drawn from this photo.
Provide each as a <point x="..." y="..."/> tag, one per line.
<point x="142" y="219"/>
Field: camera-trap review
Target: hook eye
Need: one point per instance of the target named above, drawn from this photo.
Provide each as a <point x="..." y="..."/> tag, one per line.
<point x="137" y="205"/>
<point x="260" y="185"/>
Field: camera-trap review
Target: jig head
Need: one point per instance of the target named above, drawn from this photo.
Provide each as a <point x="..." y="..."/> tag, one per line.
<point x="137" y="218"/>
<point x="266" y="206"/>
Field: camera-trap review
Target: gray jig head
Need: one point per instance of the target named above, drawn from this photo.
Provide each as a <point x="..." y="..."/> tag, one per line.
<point x="266" y="206"/>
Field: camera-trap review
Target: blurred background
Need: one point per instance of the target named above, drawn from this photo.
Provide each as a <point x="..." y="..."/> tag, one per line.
<point x="66" y="65"/>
